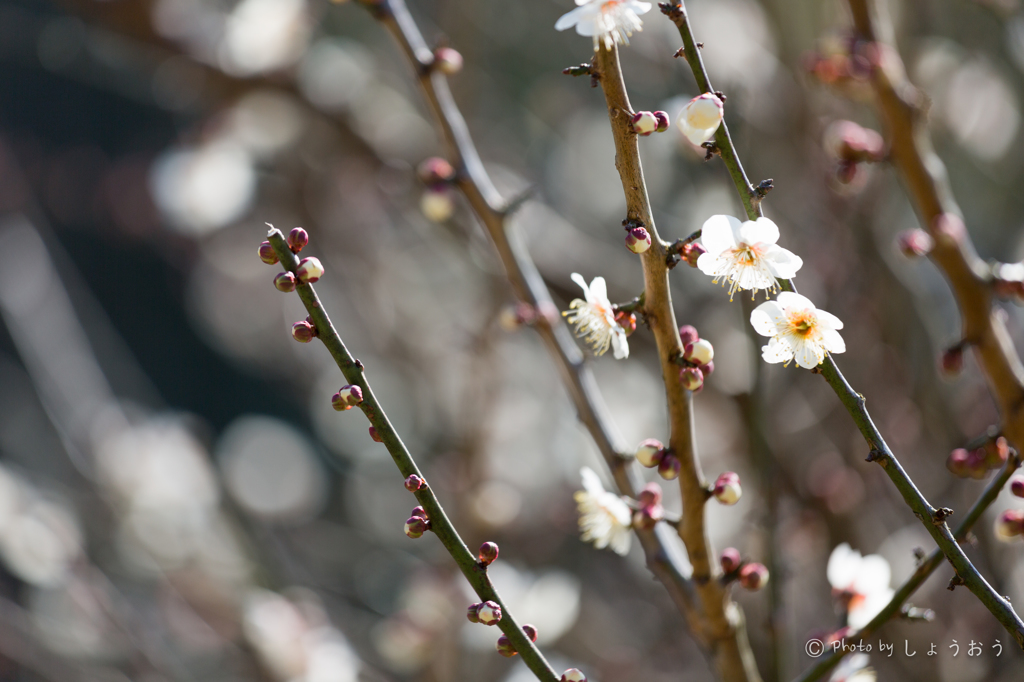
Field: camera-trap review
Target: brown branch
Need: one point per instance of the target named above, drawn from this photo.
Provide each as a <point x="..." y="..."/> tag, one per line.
<point x="723" y="632"/>
<point x="528" y="286"/>
<point x="925" y="179"/>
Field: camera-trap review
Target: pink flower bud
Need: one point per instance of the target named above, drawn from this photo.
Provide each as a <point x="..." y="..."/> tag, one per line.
<point x="915" y="243"/>
<point x="285" y="282"/>
<point x="1017" y="486"/>
<point x="488" y="553"/>
<point x="691" y="252"/>
<point x="414" y="483"/>
<point x="951" y="362"/>
<point x="688" y="334"/>
<point x="700" y="352"/>
<point x="638" y="240"/>
<point x="663" y="121"/>
<point x="1010" y="524"/>
<point x="727" y="488"/>
<point x="996" y="453"/>
<point x="753" y="576"/>
<point x="977" y="464"/>
<point x="416" y="526"/>
<point x="648" y="516"/>
<point x="297" y="239"/>
<point x="447" y="60"/>
<point x="957" y="463"/>
<point x="505" y="648"/>
<point x="627" y="321"/>
<point x="573" y="675"/>
<point x="669" y="467"/>
<point x="707" y="369"/>
<point x="351" y="394"/>
<point x="437" y="204"/>
<point x="471" y="613"/>
<point x="339" y="403"/>
<point x="644" y="123"/>
<point x="489" y="613"/>
<point x="310" y="270"/>
<point x="267" y="254"/>
<point x="420" y="512"/>
<point x="303" y="332"/>
<point x="692" y="378"/>
<point x="435" y="171"/>
<point x="650" y="495"/>
<point x="531" y="632"/>
<point x="649" y="452"/>
<point x="949" y="230"/>
<point x="375" y="436"/>
<point x="730" y="560"/>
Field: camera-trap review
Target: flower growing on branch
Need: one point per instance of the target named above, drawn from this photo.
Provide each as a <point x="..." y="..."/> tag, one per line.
<point x="745" y="254"/>
<point x="861" y="583"/>
<point x="608" y="21"/>
<point x="798" y="331"/>
<point x="594" y="319"/>
<point x="604" y="517"/>
<point x="700" y="119"/>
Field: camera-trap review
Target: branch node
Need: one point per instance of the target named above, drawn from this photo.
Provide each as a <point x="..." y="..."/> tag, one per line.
<point x="671" y="10"/>
<point x="954" y="582"/>
<point x="712" y="148"/>
<point x="940" y="515"/>
<point x="875" y="455"/>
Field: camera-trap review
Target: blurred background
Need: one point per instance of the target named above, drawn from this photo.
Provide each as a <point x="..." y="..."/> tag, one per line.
<point x="178" y="500"/>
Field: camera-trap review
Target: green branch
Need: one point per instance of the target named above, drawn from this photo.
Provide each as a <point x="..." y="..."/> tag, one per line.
<point x="440" y="524"/>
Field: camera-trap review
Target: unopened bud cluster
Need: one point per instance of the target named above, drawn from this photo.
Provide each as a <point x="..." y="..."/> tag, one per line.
<point x="846" y="62"/>
<point x="1008" y="280"/>
<point x="691" y="252"/>
<point x="346" y="398"/>
<point x="646" y="122"/>
<point x="851" y="144"/>
<point x="437" y="202"/>
<point x="638" y="239"/>
<point x="418" y="524"/>
<point x="698" y="359"/>
<point x="488" y="613"/>
<point x="650" y="511"/>
<point x="523" y="314"/>
<point x="978" y="462"/>
<point x="651" y="453"/>
<point x="1010" y="523"/>
<point x="504" y="645"/>
<point x="751" y="576"/>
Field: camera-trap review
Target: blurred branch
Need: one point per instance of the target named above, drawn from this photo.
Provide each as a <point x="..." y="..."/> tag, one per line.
<point x="725" y="636"/>
<point x="440" y="524"/>
<point x="529" y="287"/>
<point x="924" y="570"/>
<point x="924" y="175"/>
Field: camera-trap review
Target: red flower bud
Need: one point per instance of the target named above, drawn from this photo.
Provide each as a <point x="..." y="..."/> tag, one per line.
<point x="488" y="553"/>
<point x="447" y="60"/>
<point x="375" y="436"/>
<point x="650" y="495"/>
<point x="285" y="282"/>
<point x="753" y="576"/>
<point x="414" y="483"/>
<point x="669" y="467"/>
<point x="267" y="254"/>
<point x="915" y="243"/>
<point x="688" y="334"/>
<point x="531" y="632"/>
<point x="650" y="452"/>
<point x="297" y="239"/>
<point x="730" y="560"/>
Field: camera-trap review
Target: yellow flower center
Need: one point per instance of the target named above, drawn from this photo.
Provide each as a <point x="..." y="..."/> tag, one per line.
<point x="802" y="322"/>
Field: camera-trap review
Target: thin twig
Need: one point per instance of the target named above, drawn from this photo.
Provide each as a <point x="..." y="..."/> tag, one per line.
<point x="924" y="570"/>
<point x="528" y="286"/>
<point x="440" y="524"/>
<point x="724" y="633"/>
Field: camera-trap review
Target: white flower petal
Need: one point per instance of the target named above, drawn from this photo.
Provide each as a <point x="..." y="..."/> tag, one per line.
<point x="570" y="19"/>
<point x="578" y="278"/>
<point x="776" y="352"/>
<point x="873" y="576"/>
<point x="828" y="320"/>
<point x="843" y="566"/>
<point x="832" y="341"/>
<point x="791" y="301"/>
<point x="767" y="318"/>
<point x="591" y="481"/>
<point x="719" y="233"/>
<point x="760" y="231"/>
<point x="598" y="291"/>
<point x="783" y="263"/>
<point x="808" y="354"/>
<point x="620" y="346"/>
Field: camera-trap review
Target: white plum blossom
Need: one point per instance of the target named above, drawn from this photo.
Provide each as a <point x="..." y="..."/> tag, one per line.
<point x="594" y="318"/>
<point x="745" y="254"/>
<point x="798" y="330"/>
<point x="862" y="582"/>
<point x="854" y="668"/>
<point x="700" y="119"/>
<point x="607" y="21"/>
<point x="604" y="517"/>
